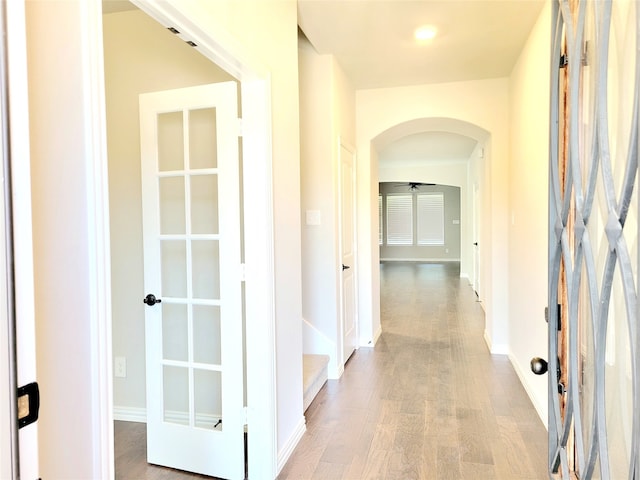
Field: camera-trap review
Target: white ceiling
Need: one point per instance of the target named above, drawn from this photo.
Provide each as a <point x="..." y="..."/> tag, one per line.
<point x="373" y="42"/>
<point x="373" y="39"/>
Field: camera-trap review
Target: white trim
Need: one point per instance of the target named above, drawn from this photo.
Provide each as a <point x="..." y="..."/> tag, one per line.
<point x="130" y="414"/>
<point x="290" y="445"/>
<point x="498" y="349"/>
<point x="220" y="48"/>
<point x="430" y="260"/>
<point x="22" y="222"/>
<point x="376" y="336"/>
<point x="98" y="236"/>
<point x="542" y="412"/>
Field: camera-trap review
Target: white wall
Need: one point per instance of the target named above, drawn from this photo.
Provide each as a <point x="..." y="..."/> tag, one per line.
<point x="140" y="56"/>
<point x="483" y="104"/>
<point x="528" y="229"/>
<point x="327" y="116"/>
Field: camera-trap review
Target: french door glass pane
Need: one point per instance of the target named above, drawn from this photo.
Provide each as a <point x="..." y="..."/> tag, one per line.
<point x="172" y="206"/>
<point x="175" y="332"/>
<point x="204" y="204"/>
<point x="175" y="394"/>
<point x="170" y="141"/>
<point x="174" y="268"/>
<point x="206" y="334"/>
<point x="208" y="398"/>
<point x="206" y="269"/>
<point x="202" y="139"/>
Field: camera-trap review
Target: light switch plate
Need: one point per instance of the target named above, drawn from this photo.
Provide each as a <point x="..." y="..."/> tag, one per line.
<point x="313" y="217"/>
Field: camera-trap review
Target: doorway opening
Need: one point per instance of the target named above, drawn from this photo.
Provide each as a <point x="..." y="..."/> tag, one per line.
<point x="148" y="51"/>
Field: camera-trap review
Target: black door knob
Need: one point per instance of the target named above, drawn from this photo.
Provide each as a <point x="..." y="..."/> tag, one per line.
<point x="151" y="300"/>
<point x="539" y="366"/>
<point x="344" y="267"/>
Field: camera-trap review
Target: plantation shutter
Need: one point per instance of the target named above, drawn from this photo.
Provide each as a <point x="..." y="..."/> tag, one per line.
<point x="400" y="220"/>
<point x="380" y="236"/>
<point x="430" y="219"/>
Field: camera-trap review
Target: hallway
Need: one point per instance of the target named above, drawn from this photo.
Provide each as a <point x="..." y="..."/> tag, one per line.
<point x="429" y="401"/>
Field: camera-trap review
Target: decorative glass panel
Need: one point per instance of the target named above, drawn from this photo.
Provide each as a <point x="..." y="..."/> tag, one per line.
<point x="594" y="419"/>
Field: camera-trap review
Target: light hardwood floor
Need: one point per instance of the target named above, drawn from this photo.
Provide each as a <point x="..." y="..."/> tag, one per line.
<point x="429" y="401"/>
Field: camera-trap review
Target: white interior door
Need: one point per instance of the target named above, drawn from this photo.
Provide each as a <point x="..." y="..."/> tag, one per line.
<point x="194" y="348"/>
<point x="476" y="236"/>
<point x="347" y="253"/>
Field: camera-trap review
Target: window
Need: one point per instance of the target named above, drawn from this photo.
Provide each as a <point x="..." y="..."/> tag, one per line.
<point x="399" y="219"/>
<point x="380" y="237"/>
<point x="430" y="218"/>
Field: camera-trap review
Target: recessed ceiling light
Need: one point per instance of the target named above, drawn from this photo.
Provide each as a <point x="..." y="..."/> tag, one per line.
<point x="426" y="32"/>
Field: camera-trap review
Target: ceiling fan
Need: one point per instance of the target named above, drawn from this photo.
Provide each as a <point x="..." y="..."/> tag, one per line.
<point x="413" y="186"/>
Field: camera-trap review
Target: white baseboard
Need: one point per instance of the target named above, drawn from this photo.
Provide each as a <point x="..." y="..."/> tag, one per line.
<point x="374" y="340"/>
<point x="285" y="453"/>
<point x="130" y="414"/>
<point x="335" y="372"/>
<point x="496" y="349"/>
<point x="541" y="409"/>
<point x="376" y="336"/>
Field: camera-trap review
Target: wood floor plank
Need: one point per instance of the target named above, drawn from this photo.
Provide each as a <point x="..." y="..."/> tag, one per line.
<point x="436" y="393"/>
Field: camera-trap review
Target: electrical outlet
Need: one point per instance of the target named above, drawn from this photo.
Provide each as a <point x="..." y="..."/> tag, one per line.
<point x="120" y="367"/>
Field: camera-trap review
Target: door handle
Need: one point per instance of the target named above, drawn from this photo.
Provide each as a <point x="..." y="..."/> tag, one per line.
<point x="345" y="267"/>
<point x="151" y="300"/>
<point x="475" y="244"/>
<point x="539" y="366"/>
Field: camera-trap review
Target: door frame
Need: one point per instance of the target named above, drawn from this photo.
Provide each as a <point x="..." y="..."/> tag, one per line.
<point x="259" y="246"/>
<point x="23" y="272"/>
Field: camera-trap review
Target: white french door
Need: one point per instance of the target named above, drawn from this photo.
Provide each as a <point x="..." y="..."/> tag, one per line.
<point x="192" y="262"/>
<point x="347" y="253"/>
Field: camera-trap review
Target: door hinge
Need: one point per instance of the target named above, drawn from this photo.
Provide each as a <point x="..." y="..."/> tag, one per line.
<point x="240" y="127"/>
<point x="245" y="415"/>
<point x="28" y="404"/>
<point x="243" y="272"/>
<point x="546" y="316"/>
